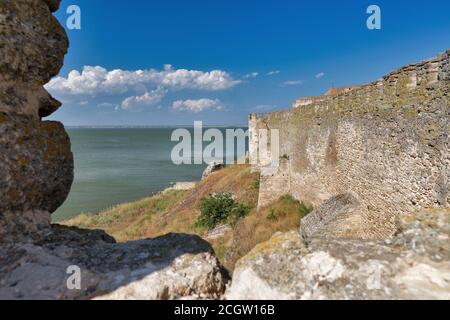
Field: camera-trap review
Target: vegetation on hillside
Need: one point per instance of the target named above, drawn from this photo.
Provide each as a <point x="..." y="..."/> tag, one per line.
<point x="220" y="208"/>
<point x="260" y="225"/>
<point x="228" y="197"/>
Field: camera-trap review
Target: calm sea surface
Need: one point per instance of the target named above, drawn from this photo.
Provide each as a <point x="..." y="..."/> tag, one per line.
<point x="113" y="166"/>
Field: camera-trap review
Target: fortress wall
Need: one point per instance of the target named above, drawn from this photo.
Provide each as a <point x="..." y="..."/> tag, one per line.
<point x="386" y="143"/>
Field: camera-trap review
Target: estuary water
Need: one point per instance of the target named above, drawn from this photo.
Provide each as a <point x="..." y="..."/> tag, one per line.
<point x="118" y="165"/>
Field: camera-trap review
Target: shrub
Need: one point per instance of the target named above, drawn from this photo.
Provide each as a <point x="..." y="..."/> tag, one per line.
<point x="220" y="208"/>
<point x="238" y="212"/>
<point x="304" y="210"/>
<point x="287" y="202"/>
<point x="272" y="216"/>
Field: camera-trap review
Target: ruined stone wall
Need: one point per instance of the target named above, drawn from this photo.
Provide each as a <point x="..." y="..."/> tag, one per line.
<point x="385" y="143"/>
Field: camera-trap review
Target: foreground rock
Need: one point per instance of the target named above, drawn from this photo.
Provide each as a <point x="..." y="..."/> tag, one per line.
<point x="36" y="173"/>
<point x="170" y="267"/>
<point x="36" y="166"/>
<point x="415" y="264"/>
<point x="32" y="52"/>
<point x="36" y="163"/>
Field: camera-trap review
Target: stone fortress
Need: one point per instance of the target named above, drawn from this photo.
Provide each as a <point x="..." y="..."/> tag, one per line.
<point x="363" y="156"/>
<point x="374" y="162"/>
<point x="371" y="152"/>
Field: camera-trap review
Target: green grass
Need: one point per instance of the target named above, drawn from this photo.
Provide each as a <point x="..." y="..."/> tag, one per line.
<point x="179" y="212"/>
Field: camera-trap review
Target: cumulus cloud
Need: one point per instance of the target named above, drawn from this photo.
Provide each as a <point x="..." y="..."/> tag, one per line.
<point x="320" y="75"/>
<point x="197" y="106"/>
<point x="149" y="98"/>
<point x="293" y="83"/>
<point x="274" y="72"/>
<point x="251" y="75"/>
<point x="93" y="81"/>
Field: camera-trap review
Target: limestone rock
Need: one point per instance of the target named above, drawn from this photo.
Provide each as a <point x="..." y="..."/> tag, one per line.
<point x="218" y="232"/>
<point x="32" y="52"/>
<point x="415" y="264"/>
<point x="36" y="173"/>
<point x="328" y="219"/>
<point x="212" y="167"/>
<point x="36" y="165"/>
<point x="169" y="267"/>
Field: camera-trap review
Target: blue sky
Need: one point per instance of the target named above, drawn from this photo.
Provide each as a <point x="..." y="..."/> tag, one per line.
<point x="218" y="61"/>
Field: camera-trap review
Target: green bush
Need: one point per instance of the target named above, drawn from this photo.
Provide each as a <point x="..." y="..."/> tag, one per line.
<point x="303" y="209"/>
<point x="238" y="212"/>
<point x="220" y="208"/>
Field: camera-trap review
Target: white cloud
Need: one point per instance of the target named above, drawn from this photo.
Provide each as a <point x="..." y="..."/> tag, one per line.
<point x="320" y="75"/>
<point x="93" y="81"/>
<point x="149" y="98"/>
<point x="274" y="72"/>
<point x="293" y="83"/>
<point x="197" y="106"/>
<point x="251" y="75"/>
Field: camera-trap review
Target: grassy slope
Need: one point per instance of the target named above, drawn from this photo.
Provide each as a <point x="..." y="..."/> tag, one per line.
<point x="177" y="211"/>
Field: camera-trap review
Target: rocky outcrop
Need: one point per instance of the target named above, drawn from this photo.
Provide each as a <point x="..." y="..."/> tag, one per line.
<point x="37" y="171"/>
<point x="212" y="167"/>
<point x="37" y="259"/>
<point x="35" y="158"/>
<point x="32" y="52"/>
<point x="414" y="264"/>
<point x="169" y="267"/>
<point x="326" y="220"/>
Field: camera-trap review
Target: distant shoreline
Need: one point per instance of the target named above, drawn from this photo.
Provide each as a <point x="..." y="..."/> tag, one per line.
<point x="154" y="127"/>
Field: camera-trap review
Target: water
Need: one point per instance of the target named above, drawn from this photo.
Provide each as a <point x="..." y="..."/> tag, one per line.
<point x="119" y="165"/>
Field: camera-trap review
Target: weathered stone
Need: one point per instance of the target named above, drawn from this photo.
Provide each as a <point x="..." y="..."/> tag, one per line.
<point x="47" y="104"/>
<point x="415" y="264"/>
<point x="33" y="45"/>
<point x="218" y="232"/>
<point x="53" y="5"/>
<point x="36" y="173"/>
<point x="340" y="209"/>
<point x="36" y="167"/>
<point x="168" y="267"/>
<point x="36" y="164"/>
<point x="212" y="167"/>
